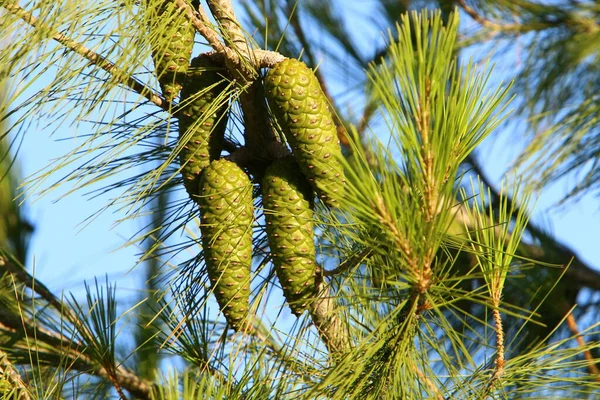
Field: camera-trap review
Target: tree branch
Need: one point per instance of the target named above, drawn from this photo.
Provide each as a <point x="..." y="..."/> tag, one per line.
<point x="93" y="57"/>
<point x="229" y="26"/>
<point x="592" y="367"/>
<point x="588" y="26"/>
<point x="325" y="317"/>
<point x="75" y="352"/>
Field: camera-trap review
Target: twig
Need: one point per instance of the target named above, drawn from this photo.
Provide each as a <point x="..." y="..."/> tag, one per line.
<point x="499" y="361"/>
<point x="572" y="324"/>
<point x="223" y="12"/>
<point x="589" y="26"/>
<point x="349" y="262"/>
<point x="93" y="57"/>
<point x="75" y="352"/>
<point x="482" y="20"/>
<point x="8" y="372"/>
<point x="202" y="26"/>
<point x="421" y="275"/>
<point x="428" y="382"/>
<point x="327" y="321"/>
<point x="256" y="329"/>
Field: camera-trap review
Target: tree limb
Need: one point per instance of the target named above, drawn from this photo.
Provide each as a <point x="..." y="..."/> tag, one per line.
<point x="578" y="24"/>
<point x="325" y="317"/>
<point x="592" y="367"/>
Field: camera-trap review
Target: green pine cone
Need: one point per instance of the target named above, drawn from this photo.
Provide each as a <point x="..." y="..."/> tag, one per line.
<point x="288" y="209"/>
<point x="301" y="109"/>
<point x="172" y="56"/>
<point x="226" y="211"/>
<point x="202" y="120"/>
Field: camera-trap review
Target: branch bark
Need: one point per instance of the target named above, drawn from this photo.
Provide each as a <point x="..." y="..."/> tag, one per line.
<point x="326" y="319"/>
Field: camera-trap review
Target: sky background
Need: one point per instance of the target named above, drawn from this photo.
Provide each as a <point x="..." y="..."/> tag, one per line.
<point x="63" y="253"/>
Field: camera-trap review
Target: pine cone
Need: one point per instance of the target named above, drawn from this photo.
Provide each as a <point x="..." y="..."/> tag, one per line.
<point x="202" y="120"/>
<point x="301" y="109"/>
<point x="172" y="57"/>
<point x="288" y="209"/>
<point x="226" y="224"/>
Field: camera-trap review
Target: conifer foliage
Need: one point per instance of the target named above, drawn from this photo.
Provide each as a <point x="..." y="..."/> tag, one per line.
<point x="396" y="270"/>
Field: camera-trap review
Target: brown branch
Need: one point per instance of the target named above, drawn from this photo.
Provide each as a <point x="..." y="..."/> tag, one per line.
<point x="499" y="361"/>
<point x="257" y="330"/>
<point x="230" y="28"/>
<point x="589" y="26"/>
<point x="202" y="24"/>
<point x="325" y="317"/>
<point x="350" y="262"/>
<point x="422" y="275"/>
<point x="75" y="352"/>
<point x="93" y="57"/>
<point x="572" y="324"/>
<point x="428" y="382"/>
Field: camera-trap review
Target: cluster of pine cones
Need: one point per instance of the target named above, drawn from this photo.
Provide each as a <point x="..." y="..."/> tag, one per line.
<point x="224" y="191"/>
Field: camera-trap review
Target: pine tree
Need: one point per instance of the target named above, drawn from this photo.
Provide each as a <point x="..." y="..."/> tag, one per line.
<point x="425" y="281"/>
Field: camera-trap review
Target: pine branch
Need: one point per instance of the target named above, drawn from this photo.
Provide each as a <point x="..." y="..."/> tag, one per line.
<point x="580" y="25"/>
<point x="327" y="321"/>
<point x="257" y="330"/>
<point x="75" y="352"/>
<point x="592" y="367"/>
<point x="94" y="58"/>
<point x="230" y="28"/>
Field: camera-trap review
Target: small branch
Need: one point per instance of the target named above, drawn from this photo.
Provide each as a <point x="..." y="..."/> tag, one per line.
<point x="428" y="382"/>
<point x="258" y="331"/>
<point x="236" y="65"/>
<point x="589" y="26"/>
<point x="202" y="25"/>
<point x="349" y="263"/>
<point x="421" y="275"/>
<point x="592" y="367"/>
<point x="12" y="325"/>
<point x="499" y="343"/>
<point x="38" y="287"/>
<point x="94" y="58"/>
<point x="482" y="20"/>
<point x="223" y="12"/>
<point x="9" y="372"/>
<point x="324" y="315"/>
